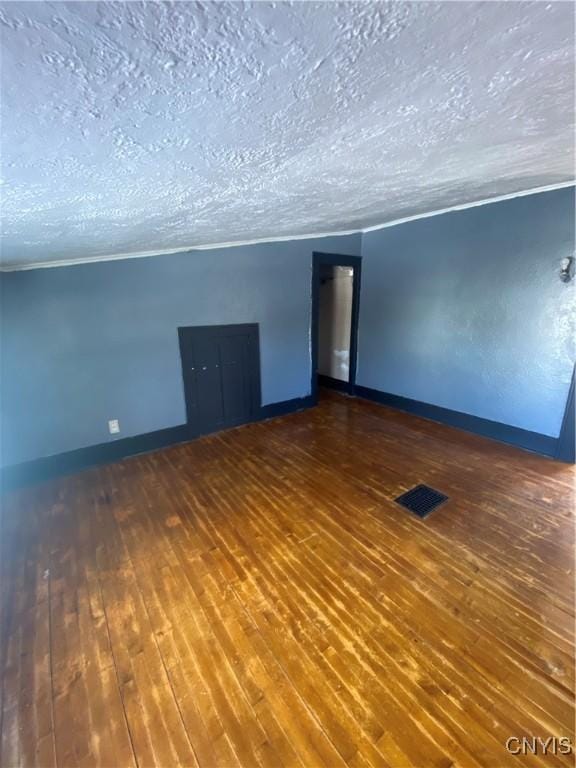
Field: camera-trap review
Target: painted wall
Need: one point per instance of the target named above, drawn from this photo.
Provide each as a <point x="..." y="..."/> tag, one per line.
<point x="84" y="344"/>
<point x="463" y="310"/>
<point x="466" y="311"/>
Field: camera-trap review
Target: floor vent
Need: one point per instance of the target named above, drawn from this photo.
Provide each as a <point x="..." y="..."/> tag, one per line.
<point x="421" y="500"/>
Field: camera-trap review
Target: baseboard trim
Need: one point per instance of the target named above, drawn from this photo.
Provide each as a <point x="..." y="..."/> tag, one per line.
<point x="39" y="470"/>
<point x="566" y="448"/>
<point x="504" y="433"/>
<point x="328" y="381"/>
<point x="285" y="407"/>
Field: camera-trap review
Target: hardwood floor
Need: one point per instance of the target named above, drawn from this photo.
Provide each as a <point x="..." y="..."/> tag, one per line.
<point x="256" y="598"/>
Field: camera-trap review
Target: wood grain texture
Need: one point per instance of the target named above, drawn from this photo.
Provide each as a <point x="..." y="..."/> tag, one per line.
<point x="256" y="598"/>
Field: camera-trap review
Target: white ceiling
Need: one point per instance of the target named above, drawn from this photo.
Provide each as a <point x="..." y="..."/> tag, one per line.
<point x="135" y="127"/>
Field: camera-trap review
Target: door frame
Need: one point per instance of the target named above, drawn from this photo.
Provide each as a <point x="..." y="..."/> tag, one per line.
<point x="253" y="330"/>
<point x="319" y="259"/>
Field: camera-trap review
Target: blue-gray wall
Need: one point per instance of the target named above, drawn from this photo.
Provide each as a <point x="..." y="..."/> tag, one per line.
<point x="84" y="344"/>
<point x="463" y="310"/>
<point x="466" y="311"/>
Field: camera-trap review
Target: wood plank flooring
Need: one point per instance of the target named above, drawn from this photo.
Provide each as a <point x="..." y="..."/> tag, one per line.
<point x="255" y="598"/>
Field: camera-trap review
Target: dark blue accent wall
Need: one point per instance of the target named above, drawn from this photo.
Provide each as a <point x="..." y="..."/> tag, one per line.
<point x="88" y="343"/>
<point x="466" y="311"/>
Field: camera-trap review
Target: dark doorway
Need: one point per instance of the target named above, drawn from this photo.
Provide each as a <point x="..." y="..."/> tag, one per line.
<point x="221" y="370"/>
<point x="335" y="307"/>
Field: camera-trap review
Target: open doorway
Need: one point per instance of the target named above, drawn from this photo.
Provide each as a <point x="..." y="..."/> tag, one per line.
<point x="335" y="304"/>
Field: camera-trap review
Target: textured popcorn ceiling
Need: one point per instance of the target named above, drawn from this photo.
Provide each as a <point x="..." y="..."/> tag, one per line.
<point x="132" y="127"/>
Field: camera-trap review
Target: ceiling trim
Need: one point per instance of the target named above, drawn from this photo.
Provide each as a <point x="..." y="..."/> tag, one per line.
<point x="286" y="238"/>
<point x="475" y="204"/>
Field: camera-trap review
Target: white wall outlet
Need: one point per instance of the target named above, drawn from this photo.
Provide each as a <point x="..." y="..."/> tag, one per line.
<point x="113" y="426"/>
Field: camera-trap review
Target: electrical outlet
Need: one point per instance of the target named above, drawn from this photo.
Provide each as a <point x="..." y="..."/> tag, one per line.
<point x="113" y="426"/>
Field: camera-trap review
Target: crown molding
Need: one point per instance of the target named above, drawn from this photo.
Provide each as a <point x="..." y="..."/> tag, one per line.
<point x="475" y="204"/>
<point x="287" y="238"/>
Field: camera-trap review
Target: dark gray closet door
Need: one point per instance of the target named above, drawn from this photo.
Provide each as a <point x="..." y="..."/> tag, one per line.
<point x="221" y="368"/>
